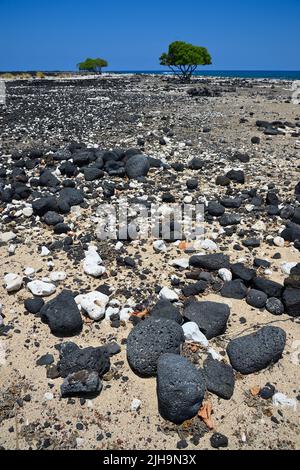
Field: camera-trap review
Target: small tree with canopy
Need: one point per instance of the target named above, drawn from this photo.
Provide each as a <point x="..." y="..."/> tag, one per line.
<point x="92" y="65"/>
<point x="183" y="59"/>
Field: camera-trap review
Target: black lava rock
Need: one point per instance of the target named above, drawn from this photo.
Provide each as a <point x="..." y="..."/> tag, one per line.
<point x="218" y="440"/>
<point x="275" y="306"/>
<point x="254" y="352"/>
<point x="180" y="388"/>
<point x="291" y="300"/>
<point x="219" y="378"/>
<point x="256" y="298"/>
<point x="52" y="218"/>
<point x="74" y="359"/>
<point x="237" y="176"/>
<point x="211" y="317"/>
<point x="148" y="340"/>
<point x="194" y="289"/>
<point x="81" y="383"/>
<point x="62" y="315"/>
<point x="229" y="219"/>
<point x="215" y="209"/>
<point x="165" y="309"/>
<point x="33" y="305"/>
<point x="137" y="166"/>
<point x="271" y="288"/>
<point x="234" y="289"/>
<point x="240" y="271"/>
<point x="212" y="262"/>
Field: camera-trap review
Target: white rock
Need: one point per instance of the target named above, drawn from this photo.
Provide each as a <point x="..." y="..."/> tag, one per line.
<point x="214" y="354"/>
<point x="225" y="274"/>
<point x="6" y="237"/>
<point x="159" y="245"/>
<point x="48" y="396"/>
<point x="259" y="226"/>
<point x="181" y="263"/>
<point x="268" y="272"/>
<point x="118" y="246"/>
<point x="2" y="353"/>
<point x="13" y="282"/>
<point x="1" y="320"/>
<point x="11" y="249"/>
<point x="192" y="333"/>
<point x="111" y="311"/>
<point x="286" y="267"/>
<point x="92" y="263"/>
<point x="135" y="404"/>
<point x="208" y="245"/>
<point x="93" y="303"/>
<point x="80" y="442"/>
<point x="188" y="200"/>
<point x="279" y="399"/>
<point x="168" y="294"/>
<point x="27" y="211"/>
<point x="58" y="276"/>
<point x="45" y="251"/>
<point x="41" y="288"/>
<point x="125" y="313"/>
<point x="29" y="271"/>
<point x="278" y="241"/>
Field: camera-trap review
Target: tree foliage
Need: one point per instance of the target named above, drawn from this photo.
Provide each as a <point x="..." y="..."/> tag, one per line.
<point x="92" y="65"/>
<point x="183" y="58"/>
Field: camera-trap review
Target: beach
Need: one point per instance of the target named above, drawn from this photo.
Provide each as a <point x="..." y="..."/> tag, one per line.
<point x="231" y="141"/>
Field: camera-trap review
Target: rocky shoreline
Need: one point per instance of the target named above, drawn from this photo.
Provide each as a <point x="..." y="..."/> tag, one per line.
<point x="149" y="344"/>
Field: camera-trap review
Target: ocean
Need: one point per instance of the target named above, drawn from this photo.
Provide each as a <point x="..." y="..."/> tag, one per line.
<point x="271" y="74"/>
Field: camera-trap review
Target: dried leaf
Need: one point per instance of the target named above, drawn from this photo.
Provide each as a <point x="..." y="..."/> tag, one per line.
<point x="141" y="314"/>
<point x="183" y="245"/>
<point x="205" y="414"/>
<point x="255" y="391"/>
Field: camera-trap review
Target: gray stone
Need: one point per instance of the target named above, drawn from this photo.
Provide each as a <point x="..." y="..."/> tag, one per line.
<point x="148" y="340"/>
<point x="271" y="288"/>
<point x="254" y="352"/>
<point x="180" y="388"/>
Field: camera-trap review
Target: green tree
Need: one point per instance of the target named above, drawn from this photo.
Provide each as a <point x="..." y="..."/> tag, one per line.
<point x="92" y="65"/>
<point x="183" y="58"/>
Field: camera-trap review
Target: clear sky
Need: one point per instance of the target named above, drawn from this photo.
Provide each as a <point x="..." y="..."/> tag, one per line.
<point x="131" y="34"/>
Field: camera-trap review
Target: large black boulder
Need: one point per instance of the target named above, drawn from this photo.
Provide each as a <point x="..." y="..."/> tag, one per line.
<point x="254" y="352"/>
<point x="180" y="388"/>
<point x="148" y="340"/>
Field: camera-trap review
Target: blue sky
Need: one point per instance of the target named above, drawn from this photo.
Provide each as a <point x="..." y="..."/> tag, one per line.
<point x="131" y="34"/>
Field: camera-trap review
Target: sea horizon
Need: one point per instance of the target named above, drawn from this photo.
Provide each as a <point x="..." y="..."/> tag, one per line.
<point x="258" y="74"/>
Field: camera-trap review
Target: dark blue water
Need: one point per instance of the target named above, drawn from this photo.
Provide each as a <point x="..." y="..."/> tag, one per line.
<point x="271" y="74"/>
